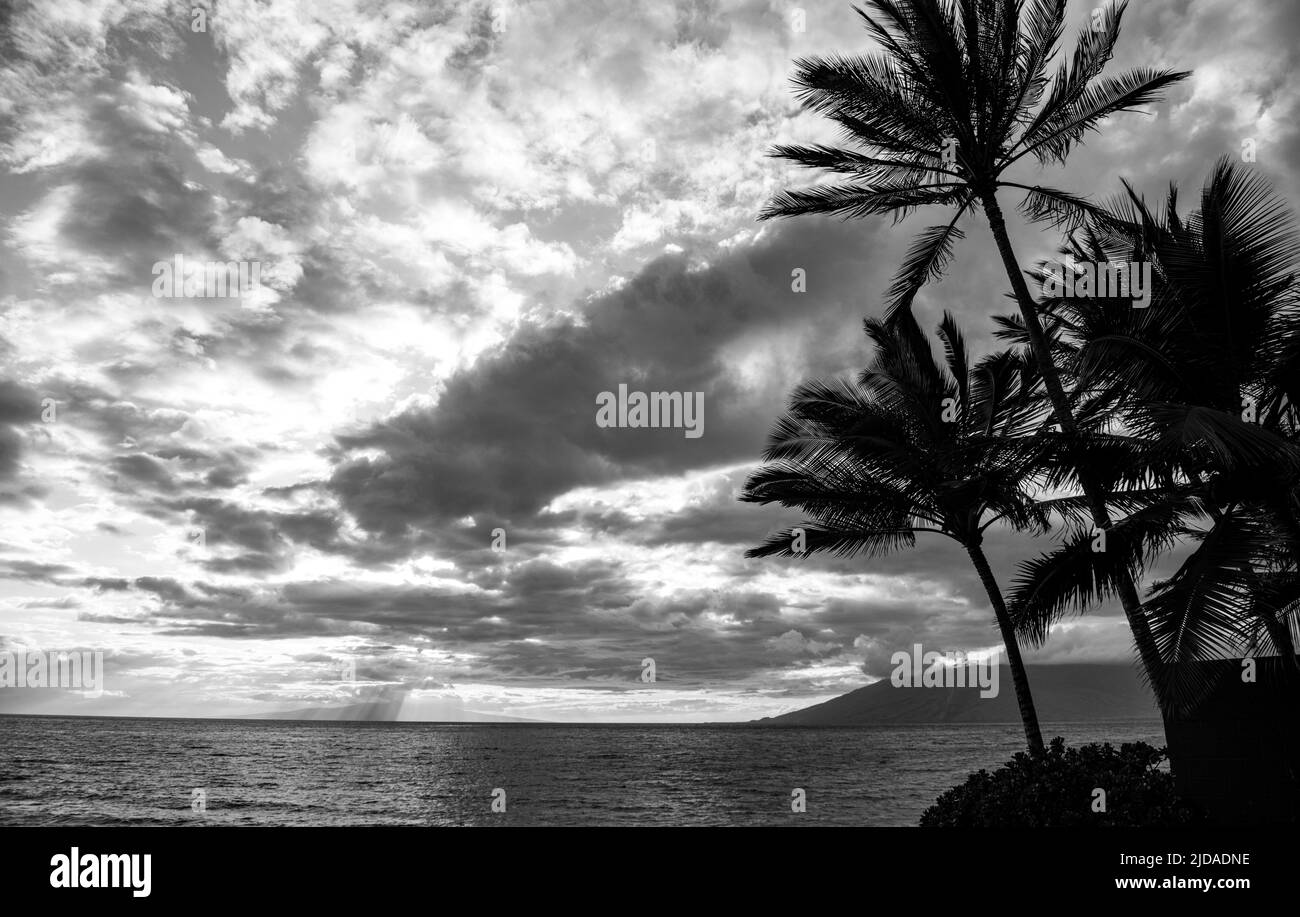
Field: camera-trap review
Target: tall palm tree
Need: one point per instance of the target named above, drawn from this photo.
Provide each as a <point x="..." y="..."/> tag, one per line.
<point x="915" y="446"/>
<point x="959" y="94"/>
<point x="1201" y="384"/>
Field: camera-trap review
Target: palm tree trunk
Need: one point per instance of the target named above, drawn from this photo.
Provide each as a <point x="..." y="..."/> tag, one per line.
<point x="1278" y="630"/>
<point x="1128" y="595"/>
<point x="1018" y="677"/>
<point x="1279" y="633"/>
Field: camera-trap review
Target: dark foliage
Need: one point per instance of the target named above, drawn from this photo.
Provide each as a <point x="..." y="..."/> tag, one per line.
<point x="1057" y="789"/>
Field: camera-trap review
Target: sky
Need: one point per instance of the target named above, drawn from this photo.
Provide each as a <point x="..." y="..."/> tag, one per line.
<point x="377" y="478"/>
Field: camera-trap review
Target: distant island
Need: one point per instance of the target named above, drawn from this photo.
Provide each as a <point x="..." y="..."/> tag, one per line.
<point x="1071" y="692"/>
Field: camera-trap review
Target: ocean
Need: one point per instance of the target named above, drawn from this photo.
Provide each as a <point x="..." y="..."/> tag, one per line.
<point x="92" y="771"/>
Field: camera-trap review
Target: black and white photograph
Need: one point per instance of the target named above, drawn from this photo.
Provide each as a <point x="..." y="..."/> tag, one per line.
<point x="431" y="414"/>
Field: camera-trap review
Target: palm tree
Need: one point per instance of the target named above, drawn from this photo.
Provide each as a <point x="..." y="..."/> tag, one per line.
<point x="915" y="446"/>
<point x="959" y="94"/>
<point x="1200" y="384"/>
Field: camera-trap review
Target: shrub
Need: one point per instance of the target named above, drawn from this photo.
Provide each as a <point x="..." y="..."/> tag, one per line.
<point x="1057" y="788"/>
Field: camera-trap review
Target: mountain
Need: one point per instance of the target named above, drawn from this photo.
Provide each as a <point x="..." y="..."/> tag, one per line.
<point x="1074" y="692"/>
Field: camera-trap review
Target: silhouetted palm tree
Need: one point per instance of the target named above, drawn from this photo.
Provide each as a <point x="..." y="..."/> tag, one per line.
<point x="1200" y="385"/>
<point x="915" y="446"/>
<point x="960" y="93"/>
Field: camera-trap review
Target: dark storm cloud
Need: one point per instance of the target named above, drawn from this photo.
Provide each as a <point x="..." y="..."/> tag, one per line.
<point x="19" y="407"/>
<point x="134" y="205"/>
<point x="18" y="403"/>
<point x="106" y="583"/>
<point x="32" y="571"/>
<point x="169" y="590"/>
<point x="140" y="469"/>
<point x="240" y="539"/>
<point x="518" y="428"/>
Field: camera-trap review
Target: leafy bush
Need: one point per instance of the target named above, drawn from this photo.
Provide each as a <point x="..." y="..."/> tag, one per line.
<point x="1057" y="788"/>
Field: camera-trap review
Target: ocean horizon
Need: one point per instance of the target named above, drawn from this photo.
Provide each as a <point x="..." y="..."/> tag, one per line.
<point x="123" y="771"/>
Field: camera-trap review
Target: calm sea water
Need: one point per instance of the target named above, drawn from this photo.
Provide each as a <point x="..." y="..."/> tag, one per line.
<point x="84" y="771"/>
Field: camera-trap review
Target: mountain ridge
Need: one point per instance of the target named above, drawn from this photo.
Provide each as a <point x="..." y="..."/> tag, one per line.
<point x="1066" y="692"/>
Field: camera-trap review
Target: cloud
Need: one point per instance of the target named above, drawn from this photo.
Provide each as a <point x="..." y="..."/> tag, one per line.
<point x="473" y="219"/>
<point x="517" y="428"/>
